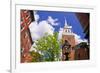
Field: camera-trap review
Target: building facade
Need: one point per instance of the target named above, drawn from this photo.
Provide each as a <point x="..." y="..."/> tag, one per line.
<point x="82" y="51"/>
<point x="26" y="17"/>
<point x="68" y="42"/>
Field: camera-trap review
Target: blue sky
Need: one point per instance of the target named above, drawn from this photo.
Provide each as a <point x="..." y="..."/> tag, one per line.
<point x="52" y="21"/>
<point x="61" y="16"/>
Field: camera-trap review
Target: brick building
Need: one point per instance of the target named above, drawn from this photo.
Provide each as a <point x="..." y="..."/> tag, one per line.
<point x="26" y="41"/>
<point x="68" y="42"/>
<point x="82" y="51"/>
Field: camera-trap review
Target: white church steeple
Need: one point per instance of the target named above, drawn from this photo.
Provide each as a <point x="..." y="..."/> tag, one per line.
<point x="66" y="25"/>
<point x="67" y="29"/>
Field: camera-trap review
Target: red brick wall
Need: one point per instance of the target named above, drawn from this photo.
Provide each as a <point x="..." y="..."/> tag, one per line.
<point x="70" y="39"/>
<point x="81" y="54"/>
<point x="25" y="36"/>
<point x="26" y="40"/>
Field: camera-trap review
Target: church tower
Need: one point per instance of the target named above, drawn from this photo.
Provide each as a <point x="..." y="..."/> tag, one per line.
<point x="68" y="42"/>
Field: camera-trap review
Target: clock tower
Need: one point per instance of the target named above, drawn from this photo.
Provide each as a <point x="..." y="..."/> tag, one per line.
<point x="68" y="42"/>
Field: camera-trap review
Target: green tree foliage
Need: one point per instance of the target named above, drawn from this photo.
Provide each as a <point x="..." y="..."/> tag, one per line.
<point x="36" y="57"/>
<point x="49" y="47"/>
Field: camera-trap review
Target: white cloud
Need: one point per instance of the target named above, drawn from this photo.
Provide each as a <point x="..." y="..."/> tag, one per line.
<point x="39" y="29"/>
<point x="60" y="33"/>
<point x="78" y="39"/>
<point x="45" y="27"/>
<point x="33" y="29"/>
<point x="52" y="21"/>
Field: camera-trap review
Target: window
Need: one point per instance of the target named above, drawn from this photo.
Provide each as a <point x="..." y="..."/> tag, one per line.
<point x="21" y="27"/>
<point x="66" y="30"/>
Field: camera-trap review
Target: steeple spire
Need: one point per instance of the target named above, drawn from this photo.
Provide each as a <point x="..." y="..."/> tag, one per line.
<point x="66" y="23"/>
<point x="67" y="28"/>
